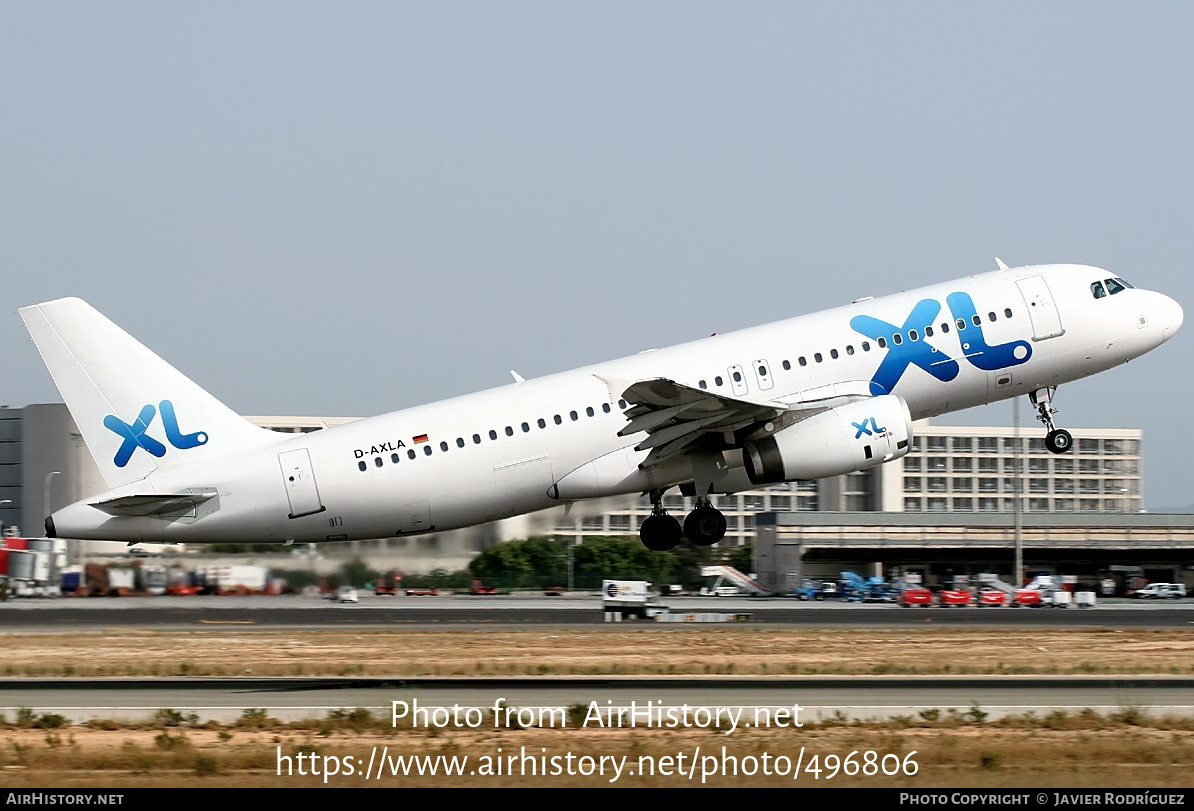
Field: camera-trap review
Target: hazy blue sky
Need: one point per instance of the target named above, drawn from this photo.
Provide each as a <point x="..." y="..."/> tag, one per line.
<point x="347" y="208"/>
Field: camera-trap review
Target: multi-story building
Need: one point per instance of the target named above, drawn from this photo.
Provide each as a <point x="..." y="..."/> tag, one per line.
<point x="948" y="469"/>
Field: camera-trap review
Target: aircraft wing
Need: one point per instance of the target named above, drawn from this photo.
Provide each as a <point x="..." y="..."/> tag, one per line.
<point x="679" y="418"/>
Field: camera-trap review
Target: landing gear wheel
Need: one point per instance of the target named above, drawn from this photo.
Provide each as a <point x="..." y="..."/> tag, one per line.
<point x="1059" y="441"/>
<point x="659" y="533"/>
<point x="705" y="526"/>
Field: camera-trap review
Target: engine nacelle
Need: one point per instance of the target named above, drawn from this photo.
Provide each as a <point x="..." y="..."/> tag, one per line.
<point x="841" y="440"/>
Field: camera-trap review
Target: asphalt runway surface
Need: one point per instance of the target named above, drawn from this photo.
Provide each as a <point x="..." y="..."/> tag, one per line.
<point x="866" y="697"/>
<point x="576" y="609"/>
<point x="863" y="697"/>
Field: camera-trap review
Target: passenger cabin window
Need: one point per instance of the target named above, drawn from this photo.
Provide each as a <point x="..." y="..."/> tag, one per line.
<point x="493" y="434"/>
<point x="605" y="407"/>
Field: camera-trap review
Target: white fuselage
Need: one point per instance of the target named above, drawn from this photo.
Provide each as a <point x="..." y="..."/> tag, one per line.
<point x="511" y="450"/>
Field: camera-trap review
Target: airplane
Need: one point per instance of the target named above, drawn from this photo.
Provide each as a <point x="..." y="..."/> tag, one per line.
<point x="812" y="396"/>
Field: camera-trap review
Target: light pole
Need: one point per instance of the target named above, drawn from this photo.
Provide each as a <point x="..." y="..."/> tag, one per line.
<point x="2" y="502"/>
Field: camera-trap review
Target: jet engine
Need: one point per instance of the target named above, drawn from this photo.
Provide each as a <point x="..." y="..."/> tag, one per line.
<point x="840" y="440"/>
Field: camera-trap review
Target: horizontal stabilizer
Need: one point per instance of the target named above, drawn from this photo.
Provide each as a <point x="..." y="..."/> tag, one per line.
<point x="164" y="504"/>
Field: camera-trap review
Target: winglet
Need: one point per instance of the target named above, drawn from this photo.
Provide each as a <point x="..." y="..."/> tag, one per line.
<point x="517" y="377"/>
<point x="1000" y="262"/>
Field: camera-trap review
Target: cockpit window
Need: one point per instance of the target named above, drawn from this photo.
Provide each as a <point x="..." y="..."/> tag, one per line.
<point x="1113" y="286"/>
<point x="1125" y="284"/>
<point x="1096" y="288"/>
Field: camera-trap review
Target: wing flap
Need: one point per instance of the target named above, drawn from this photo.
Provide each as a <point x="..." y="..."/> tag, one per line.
<point x="675" y="417"/>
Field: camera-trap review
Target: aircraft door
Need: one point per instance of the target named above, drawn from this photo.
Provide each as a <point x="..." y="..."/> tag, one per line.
<point x="763" y="374"/>
<point x="1042" y="310"/>
<point x="738" y="380"/>
<point x="301" y="488"/>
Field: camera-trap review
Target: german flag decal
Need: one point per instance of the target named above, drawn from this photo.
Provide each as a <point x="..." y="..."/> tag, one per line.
<point x="419" y="438"/>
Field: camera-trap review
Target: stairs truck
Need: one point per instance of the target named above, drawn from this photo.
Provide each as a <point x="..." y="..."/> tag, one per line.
<point x="730" y="582"/>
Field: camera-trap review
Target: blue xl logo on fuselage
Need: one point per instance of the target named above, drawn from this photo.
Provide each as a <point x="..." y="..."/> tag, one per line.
<point x="905" y="350"/>
<point x="136" y="434"/>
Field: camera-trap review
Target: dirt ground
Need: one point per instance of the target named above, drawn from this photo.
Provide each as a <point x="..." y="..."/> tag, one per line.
<point x="1064" y="752"/>
<point x="940" y="750"/>
<point x="649" y="651"/>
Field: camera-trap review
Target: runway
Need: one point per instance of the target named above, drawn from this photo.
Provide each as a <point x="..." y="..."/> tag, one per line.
<point x="820" y="697"/>
<point x="865" y="697"/>
<point x="576" y="609"/>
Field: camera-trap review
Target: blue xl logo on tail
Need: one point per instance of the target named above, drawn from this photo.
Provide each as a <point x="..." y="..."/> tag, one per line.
<point x="136" y="434"/>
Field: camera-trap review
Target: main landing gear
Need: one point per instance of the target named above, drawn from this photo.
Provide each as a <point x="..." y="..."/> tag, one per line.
<point x="660" y="531"/>
<point x="1058" y="440"/>
<point x="704" y="526"/>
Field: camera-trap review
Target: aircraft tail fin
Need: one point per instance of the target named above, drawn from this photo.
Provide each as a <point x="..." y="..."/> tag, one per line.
<point x="137" y="413"/>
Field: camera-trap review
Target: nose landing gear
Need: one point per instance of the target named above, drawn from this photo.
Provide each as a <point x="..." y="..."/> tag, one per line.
<point x="1058" y="440"/>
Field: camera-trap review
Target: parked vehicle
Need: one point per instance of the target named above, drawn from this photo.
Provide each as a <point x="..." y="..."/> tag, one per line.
<point x="1162" y="591"/>
<point x="954" y="597"/>
<point x="916" y="596"/>
<point x="991" y="597"/>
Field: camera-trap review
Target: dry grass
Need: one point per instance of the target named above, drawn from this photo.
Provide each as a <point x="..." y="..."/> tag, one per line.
<point x="952" y="749"/>
<point x="650" y="651"/>
<point x="1081" y="750"/>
